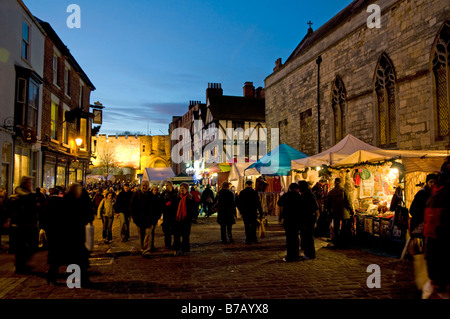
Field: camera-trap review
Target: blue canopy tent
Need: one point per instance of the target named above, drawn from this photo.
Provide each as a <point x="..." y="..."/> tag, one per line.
<point x="278" y="161"/>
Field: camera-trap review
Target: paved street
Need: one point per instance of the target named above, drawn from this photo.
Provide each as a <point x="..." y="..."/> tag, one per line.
<point x="216" y="271"/>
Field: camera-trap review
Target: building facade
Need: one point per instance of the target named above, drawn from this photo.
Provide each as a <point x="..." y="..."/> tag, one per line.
<point x="206" y="127"/>
<point x="128" y="154"/>
<point x="21" y="76"/>
<point x="66" y="120"/>
<point x="388" y="86"/>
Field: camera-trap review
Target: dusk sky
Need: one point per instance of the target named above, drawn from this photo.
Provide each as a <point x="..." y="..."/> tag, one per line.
<point x="149" y="58"/>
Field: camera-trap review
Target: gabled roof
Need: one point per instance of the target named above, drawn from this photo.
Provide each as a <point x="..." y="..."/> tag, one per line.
<point x="65" y="51"/>
<point x="348" y="145"/>
<point x="312" y="37"/>
<point x="237" y="108"/>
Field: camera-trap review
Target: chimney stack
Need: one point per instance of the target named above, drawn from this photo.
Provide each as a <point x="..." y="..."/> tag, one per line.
<point x="278" y="65"/>
<point x="249" y="89"/>
<point x="214" y="89"/>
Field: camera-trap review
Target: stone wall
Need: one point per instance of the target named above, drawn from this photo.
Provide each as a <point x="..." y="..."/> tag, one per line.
<point x="352" y="51"/>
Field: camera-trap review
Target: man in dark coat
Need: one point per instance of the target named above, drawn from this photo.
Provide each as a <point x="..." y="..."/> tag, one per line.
<point x="249" y="205"/>
<point x="207" y="200"/>
<point x="338" y="203"/>
<point x="122" y="206"/>
<point x="145" y="211"/>
<point x="169" y="207"/>
<point x="290" y="204"/>
<point x="226" y="212"/>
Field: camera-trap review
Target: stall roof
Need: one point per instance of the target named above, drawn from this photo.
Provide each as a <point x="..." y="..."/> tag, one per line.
<point x="414" y="160"/>
<point x="347" y="146"/>
<point x="238" y="169"/>
<point x="278" y="161"/>
<point x="157" y="174"/>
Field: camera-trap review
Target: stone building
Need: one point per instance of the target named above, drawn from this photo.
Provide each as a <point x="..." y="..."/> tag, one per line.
<point x="388" y="86"/>
<point x="129" y="154"/>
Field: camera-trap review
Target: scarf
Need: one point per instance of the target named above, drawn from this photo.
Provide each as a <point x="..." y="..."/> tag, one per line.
<point x="182" y="208"/>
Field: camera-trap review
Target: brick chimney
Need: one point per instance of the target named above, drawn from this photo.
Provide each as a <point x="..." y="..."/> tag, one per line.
<point x="249" y="89"/>
<point x="214" y="89"/>
<point x="278" y="65"/>
<point x="259" y="93"/>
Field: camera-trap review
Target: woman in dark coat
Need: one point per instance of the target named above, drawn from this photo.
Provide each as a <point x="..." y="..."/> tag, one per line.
<point x="290" y="204"/>
<point x="186" y="211"/>
<point x="226" y="213"/>
<point x="309" y="213"/>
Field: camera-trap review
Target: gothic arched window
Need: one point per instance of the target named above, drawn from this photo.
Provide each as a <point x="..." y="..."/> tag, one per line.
<point x="441" y="81"/>
<point x="385" y="108"/>
<point x="338" y="100"/>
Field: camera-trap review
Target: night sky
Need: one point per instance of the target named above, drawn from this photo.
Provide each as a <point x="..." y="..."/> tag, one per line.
<point x="147" y="58"/>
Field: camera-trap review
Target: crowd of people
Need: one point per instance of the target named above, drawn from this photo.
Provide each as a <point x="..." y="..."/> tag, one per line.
<point x="63" y="215"/>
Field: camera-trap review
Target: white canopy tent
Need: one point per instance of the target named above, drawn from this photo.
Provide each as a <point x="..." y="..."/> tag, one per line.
<point x="413" y="160"/>
<point x="347" y="146"/>
<point x="157" y="174"/>
<point x="238" y="173"/>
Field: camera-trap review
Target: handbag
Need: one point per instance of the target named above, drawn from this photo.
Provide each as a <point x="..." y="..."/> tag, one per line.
<point x="90" y="237"/>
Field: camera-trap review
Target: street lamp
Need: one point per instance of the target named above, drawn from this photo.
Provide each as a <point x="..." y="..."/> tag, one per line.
<point x="78" y="141"/>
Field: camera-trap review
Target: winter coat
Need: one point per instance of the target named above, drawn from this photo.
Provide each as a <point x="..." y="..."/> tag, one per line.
<point x="23" y="208"/>
<point x="207" y="193"/>
<point x="226" y="207"/>
<point x="308" y="209"/>
<point x="123" y="203"/>
<point x="169" y="206"/>
<point x="145" y="209"/>
<point x="249" y="204"/>
<point x="290" y="203"/>
<point x="338" y="203"/>
<point x="417" y="208"/>
<point x="106" y="208"/>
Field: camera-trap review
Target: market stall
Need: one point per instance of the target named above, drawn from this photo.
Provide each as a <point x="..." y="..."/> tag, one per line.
<point x="274" y="175"/>
<point x="382" y="185"/>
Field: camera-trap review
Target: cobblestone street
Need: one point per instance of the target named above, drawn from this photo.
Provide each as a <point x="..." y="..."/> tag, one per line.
<point x="216" y="271"/>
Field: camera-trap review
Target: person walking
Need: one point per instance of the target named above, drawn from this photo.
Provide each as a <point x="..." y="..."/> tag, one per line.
<point x="58" y="221"/>
<point x="24" y="224"/>
<point x="338" y="203"/>
<point x="122" y="206"/>
<point x="290" y="204"/>
<point x="207" y="200"/>
<point x="309" y="211"/>
<point x="143" y="212"/>
<point x="186" y="211"/>
<point x="78" y="207"/>
<point x="437" y="239"/>
<point x="169" y="199"/>
<point x="417" y="208"/>
<point x="249" y="205"/>
<point x="226" y="213"/>
<point x="106" y="211"/>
